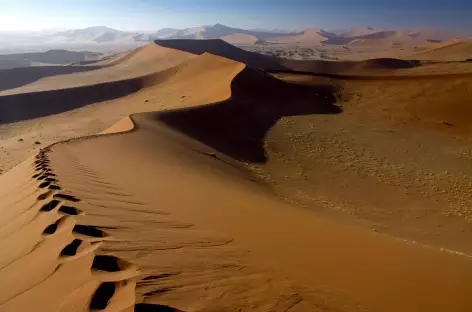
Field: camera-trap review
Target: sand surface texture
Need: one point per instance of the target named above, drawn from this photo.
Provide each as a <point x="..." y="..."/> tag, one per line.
<point x="219" y="185"/>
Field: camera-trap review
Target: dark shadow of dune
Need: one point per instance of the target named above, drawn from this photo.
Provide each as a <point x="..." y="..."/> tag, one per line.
<point x="367" y="67"/>
<point x="145" y="307"/>
<point x="24" y="106"/>
<point x="237" y="127"/>
<point x="17" y="77"/>
<point x="222" y="48"/>
<point x="275" y="64"/>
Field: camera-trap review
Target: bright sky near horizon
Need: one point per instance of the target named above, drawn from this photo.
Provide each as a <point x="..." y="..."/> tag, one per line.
<point x="18" y="15"/>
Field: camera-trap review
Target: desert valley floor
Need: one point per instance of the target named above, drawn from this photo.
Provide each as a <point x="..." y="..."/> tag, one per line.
<point x="191" y="175"/>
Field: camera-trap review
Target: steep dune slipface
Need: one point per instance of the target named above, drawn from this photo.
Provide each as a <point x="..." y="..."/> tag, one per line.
<point x="224" y="49"/>
<point x="26" y="106"/>
<point x="257" y="102"/>
<point x="383" y="66"/>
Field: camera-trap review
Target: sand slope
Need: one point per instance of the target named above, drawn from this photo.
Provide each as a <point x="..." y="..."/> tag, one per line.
<point x="49" y="261"/>
<point x="144" y="61"/>
<point x="452" y="51"/>
<point x="173" y="209"/>
<point x="94" y="212"/>
<point x="274" y="64"/>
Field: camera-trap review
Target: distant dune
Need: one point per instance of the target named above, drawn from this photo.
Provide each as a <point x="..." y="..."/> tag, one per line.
<point x="224" y="49"/>
<point x="240" y="39"/>
<point x="451" y="51"/>
<point x="143" y="61"/>
<point x="167" y="53"/>
<point x="270" y="63"/>
<point x="105" y="39"/>
<point x="358" y="32"/>
<point x="50" y="57"/>
<point x="308" y="36"/>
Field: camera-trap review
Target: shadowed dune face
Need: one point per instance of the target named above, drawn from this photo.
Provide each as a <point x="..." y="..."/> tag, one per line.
<point x="364" y="68"/>
<point x="26" y="106"/>
<point x="275" y="64"/>
<point x="237" y="127"/>
<point x="144" y="307"/>
<point x="17" y="77"/>
<point x="224" y="49"/>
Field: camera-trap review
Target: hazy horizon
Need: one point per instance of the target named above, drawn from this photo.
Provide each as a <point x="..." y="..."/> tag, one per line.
<point x="145" y="15"/>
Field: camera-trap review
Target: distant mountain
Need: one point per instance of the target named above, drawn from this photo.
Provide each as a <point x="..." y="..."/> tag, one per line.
<point x="102" y="38"/>
<point x="98" y="34"/>
<point x="309" y="36"/>
<point x="430" y="35"/>
<point x="277" y="31"/>
<point x="229" y="34"/>
<point x="165" y="32"/>
<point x="368" y="36"/>
<point x="357" y="32"/>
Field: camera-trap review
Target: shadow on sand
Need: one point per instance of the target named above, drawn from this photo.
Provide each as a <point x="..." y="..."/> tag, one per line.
<point x="25" y="106"/>
<point x="145" y="307"/>
<point x="237" y="127"/>
<point x="17" y="77"/>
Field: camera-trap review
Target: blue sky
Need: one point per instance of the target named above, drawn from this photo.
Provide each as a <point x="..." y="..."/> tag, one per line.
<point x="282" y="14"/>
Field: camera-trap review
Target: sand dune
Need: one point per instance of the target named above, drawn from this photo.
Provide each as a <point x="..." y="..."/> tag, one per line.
<point x="144" y="61"/>
<point x="308" y="36"/>
<point x="25" y="106"/>
<point x="269" y="63"/>
<point x="178" y="209"/>
<point x="451" y="51"/>
<point x="240" y="39"/>
<point x="364" y="37"/>
<point x="435" y="99"/>
<point x="445" y="101"/>
<point x="17" y="77"/>
<point x="358" y="32"/>
<point x="224" y="49"/>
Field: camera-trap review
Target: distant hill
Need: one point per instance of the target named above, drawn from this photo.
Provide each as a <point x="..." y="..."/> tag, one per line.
<point x="314" y="36"/>
<point x="229" y="34"/>
<point x="98" y="34"/>
<point x="357" y="32"/>
<point x="165" y="32"/>
<point x="92" y="38"/>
